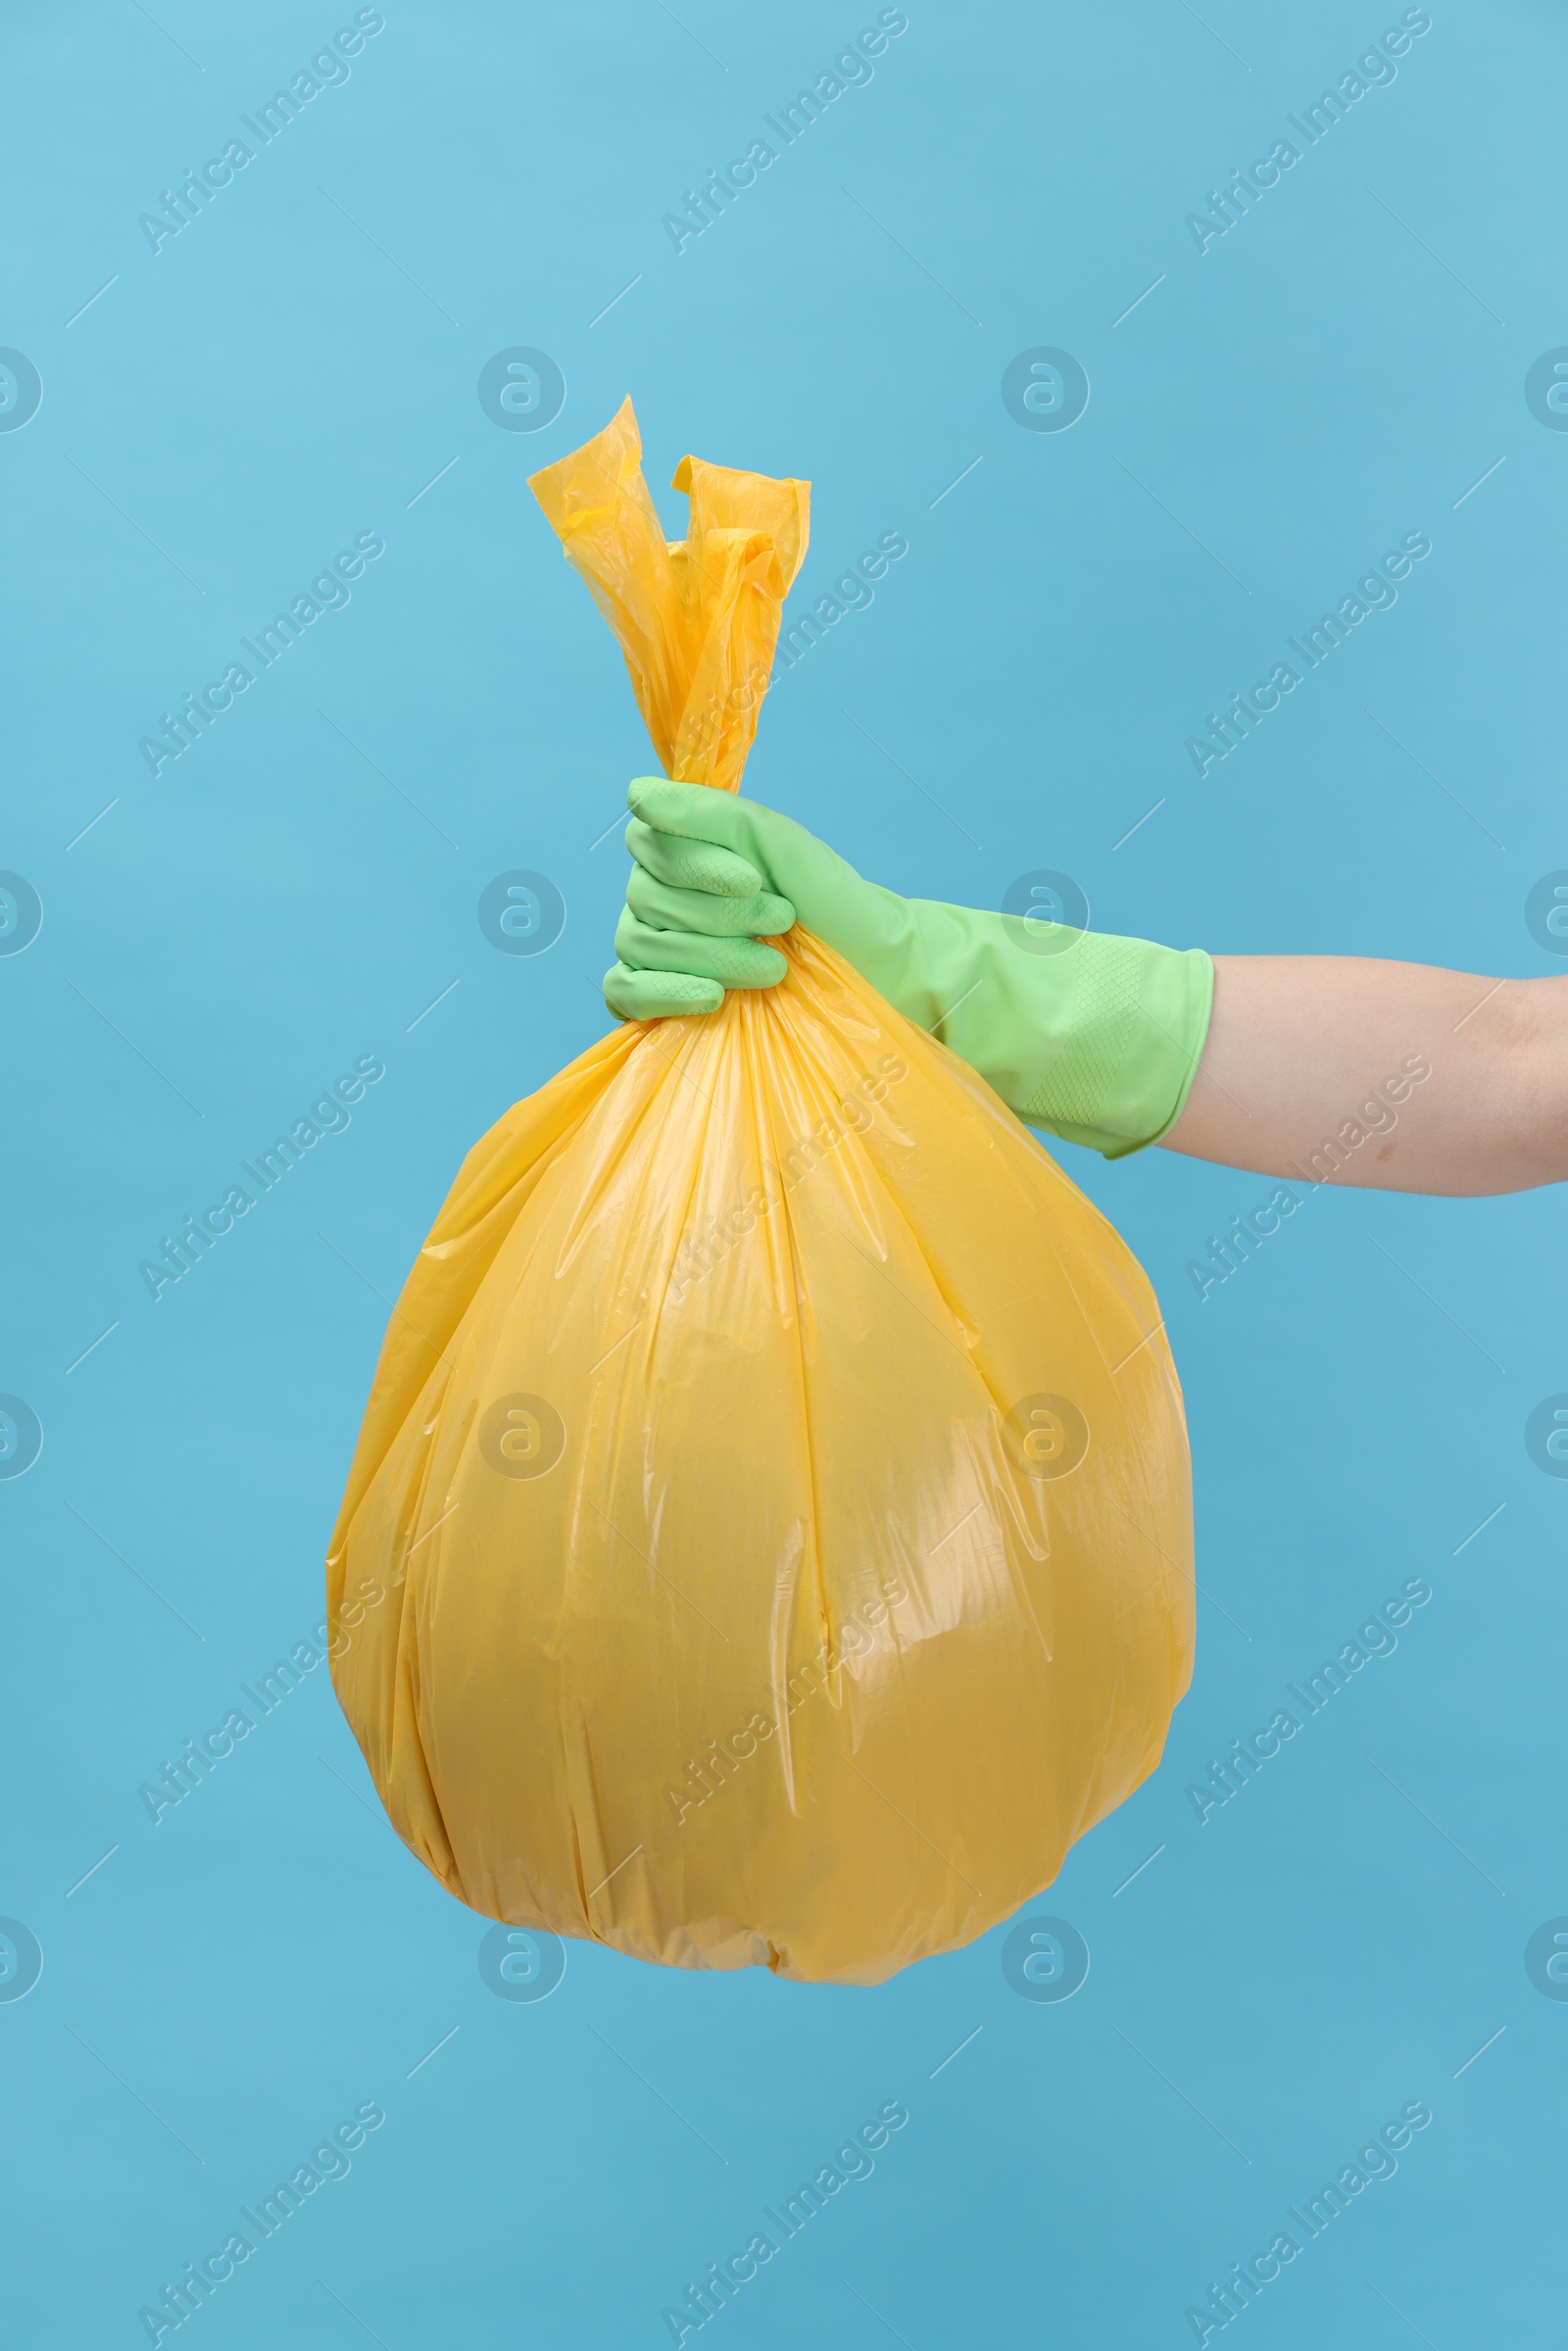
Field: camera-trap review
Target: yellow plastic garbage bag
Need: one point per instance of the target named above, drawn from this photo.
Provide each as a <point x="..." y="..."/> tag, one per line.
<point x="769" y="1536"/>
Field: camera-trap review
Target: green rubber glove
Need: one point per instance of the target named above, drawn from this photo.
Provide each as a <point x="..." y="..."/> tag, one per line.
<point x="1095" y="1038"/>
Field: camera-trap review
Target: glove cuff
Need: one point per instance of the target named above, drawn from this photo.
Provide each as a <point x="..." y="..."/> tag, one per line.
<point x="1129" y="1046"/>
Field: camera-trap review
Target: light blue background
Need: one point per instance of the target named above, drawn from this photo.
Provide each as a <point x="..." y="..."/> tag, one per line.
<point x="223" y="419"/>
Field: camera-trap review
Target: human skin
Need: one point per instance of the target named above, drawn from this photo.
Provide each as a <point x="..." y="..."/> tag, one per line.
<point x="1298" y="1044"/>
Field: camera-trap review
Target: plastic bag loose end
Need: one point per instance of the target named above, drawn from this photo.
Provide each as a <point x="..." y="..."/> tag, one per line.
<point x="697" y="621"/>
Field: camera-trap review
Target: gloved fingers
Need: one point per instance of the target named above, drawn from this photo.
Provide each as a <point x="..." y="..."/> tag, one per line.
<point x="782" y="853"/>
<point x="694" y="811"/>
<point x="658" y="995"/>
<point x="760" y="916"/>
<point x="689" y="864"/>
<point x="733" y="962"/>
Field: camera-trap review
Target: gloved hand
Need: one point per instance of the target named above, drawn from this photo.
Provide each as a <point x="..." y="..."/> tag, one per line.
<point x="1095" y="1038"/>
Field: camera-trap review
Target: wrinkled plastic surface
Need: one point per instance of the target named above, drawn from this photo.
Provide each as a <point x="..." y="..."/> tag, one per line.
<point x="769" y="1536"/>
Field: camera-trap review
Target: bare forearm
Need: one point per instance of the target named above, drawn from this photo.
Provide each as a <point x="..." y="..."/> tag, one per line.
<point x="1396" y="1076"/>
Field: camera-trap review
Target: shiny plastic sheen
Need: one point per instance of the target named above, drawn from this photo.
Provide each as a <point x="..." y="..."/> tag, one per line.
<point x="770" y="1537"/>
